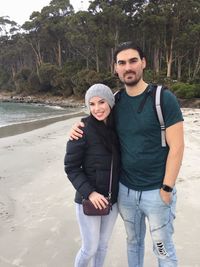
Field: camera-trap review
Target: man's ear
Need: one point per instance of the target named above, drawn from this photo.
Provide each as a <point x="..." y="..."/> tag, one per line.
<point x="144" y="63"/>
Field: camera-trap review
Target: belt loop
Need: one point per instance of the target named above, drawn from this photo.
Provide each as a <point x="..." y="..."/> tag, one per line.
<point x="128" y="191"/>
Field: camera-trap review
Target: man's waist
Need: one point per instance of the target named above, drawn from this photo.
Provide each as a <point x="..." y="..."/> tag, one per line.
<point x="140" y="183"/>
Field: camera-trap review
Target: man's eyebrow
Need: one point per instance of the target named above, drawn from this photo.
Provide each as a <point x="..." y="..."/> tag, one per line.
<point x="130" y="59"/>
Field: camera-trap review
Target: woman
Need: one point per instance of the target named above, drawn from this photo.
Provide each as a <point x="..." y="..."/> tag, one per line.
<point x="88" y="166"/>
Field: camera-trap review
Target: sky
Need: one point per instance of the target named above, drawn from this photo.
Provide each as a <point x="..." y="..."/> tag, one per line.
<point x="20" y="10"/>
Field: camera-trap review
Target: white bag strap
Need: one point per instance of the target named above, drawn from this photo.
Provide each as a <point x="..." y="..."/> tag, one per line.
<point x="160" y="115"/>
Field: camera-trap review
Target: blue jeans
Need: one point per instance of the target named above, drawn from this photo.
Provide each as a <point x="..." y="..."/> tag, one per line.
<point x="135" y="207"/>
<point x="95" y="232"/>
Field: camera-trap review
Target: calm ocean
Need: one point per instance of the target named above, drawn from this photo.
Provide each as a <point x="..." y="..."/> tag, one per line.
<point x="12" y="113"/>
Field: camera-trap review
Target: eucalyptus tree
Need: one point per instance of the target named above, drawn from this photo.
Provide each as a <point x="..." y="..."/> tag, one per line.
<point x="46" y="30"/>
<point x="7" y="26"/>
<point x="112" y="19"/>
<point x="183" y="18"/>
<point x="81" y="30"/>
<point x="167" y="27"/>
<point x="10" y="61"/>
<point x="33" y="35"/>
<point x="55" y="17"/>
<point x="196" y="39"/>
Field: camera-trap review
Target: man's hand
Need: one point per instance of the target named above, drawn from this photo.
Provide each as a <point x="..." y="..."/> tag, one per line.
<point x="166" y="196"/>
<point x="76" y="132"/>
<point x="98" y="200"/>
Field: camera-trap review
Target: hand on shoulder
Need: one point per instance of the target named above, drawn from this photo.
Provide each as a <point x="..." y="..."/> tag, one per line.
<point x="76" y="132"/>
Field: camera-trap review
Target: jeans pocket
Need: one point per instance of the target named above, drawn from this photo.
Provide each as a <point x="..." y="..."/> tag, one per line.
<point x="163" y="202"/>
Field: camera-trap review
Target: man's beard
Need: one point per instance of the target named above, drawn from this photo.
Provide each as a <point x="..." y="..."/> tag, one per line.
<point x="131" y="82"/>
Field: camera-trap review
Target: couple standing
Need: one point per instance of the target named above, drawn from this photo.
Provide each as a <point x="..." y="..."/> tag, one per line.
<point x="148" y="171"/>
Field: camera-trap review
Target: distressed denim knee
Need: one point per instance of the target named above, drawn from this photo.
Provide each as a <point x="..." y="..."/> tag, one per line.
<point x="161" y="218"/>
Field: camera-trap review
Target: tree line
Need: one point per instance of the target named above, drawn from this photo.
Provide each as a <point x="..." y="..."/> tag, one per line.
<point x="62" y="52"/>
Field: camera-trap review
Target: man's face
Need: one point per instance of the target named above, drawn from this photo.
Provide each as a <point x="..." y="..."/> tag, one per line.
<point x="129" y="66"/>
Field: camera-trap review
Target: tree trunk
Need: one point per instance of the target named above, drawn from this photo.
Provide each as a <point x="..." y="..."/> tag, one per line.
<point x="197" y="66"/>
<point x="59" y="54"/>
<point x="169" y="58"/>
<point x="180" y="59"/>
<point x="97" y="61"/>
<point x="112" y="62"/>
<point x="37" y="53"/>
<point x="156" y="61"/>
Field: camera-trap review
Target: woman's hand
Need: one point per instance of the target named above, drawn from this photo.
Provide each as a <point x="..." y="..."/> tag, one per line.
<point x="98" y="200"/>
<point x="76" y="132"/>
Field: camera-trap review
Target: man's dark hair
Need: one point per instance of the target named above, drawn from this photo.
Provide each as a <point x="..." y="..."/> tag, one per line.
<point x="125" y="46"/>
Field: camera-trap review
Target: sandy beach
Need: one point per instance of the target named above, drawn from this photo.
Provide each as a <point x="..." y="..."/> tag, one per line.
<point x="37" y="219"/>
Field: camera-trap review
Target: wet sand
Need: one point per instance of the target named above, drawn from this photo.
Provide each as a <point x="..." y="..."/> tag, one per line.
<point x="37" y="219"/>
<point x="32" y="125"/>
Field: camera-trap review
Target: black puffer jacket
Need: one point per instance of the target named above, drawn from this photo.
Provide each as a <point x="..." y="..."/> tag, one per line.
<point x="88" y="160"/>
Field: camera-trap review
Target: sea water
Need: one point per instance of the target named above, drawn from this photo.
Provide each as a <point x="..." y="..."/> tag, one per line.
<point x="13" y="113"/>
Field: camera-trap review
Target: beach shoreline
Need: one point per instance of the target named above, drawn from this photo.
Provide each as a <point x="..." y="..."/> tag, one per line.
<point x="38" y="224"/>
<point x="44" y="99"/>
<point x="19" y="128"/>
<point x="71" y="101"/>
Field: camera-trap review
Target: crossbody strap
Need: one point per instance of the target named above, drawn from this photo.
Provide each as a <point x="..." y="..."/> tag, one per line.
<point x="111" y="176"/>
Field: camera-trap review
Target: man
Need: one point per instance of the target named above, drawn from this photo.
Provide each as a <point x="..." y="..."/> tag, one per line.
<point x="149" y="171"/>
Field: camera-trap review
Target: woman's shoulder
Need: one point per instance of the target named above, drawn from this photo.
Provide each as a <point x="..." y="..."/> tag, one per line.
<point x="88" y="128"/>
<point x="85" y="120"/>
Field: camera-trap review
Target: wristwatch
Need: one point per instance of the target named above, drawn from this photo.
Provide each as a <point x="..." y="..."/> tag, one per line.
<point x="167" y="188"/>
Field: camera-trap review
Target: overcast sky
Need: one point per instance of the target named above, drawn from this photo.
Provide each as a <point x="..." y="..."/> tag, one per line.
<point x="20" y="10"/>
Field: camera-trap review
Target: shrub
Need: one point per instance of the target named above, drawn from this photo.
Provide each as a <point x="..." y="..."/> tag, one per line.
<point x="62" y="85"/>
<point x="186" y="90"/>
<point x="21" y="80"/>
<point x="47" y="74"/>
<point x="83" y="80"/>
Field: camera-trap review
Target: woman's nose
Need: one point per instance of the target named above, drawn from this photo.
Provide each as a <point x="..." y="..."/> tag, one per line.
<point x="96" y="108"/>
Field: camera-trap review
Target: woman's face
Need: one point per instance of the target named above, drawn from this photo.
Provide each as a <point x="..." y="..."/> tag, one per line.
<point x="99" y="108"/>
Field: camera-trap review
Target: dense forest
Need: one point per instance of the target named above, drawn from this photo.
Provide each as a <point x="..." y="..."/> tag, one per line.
<point x="62" y="52"/>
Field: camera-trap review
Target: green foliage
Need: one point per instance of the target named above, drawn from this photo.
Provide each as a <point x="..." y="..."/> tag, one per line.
<point x="47" y="75"/>
<point x="34" y="82"/>
<point x="186" y="90"/>
<point x="60" y="48"/>
<point x="62" y="85"/>
<point x="22" y="80"/>
<point x="110" y="80"/>
<point x="149" y="75"/>
<point x="4" y="78"/>
<point x="55" y="80"/>
<point x="83" y="80"/>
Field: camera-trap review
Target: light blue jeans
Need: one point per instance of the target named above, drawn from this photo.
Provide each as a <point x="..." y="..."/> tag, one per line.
<point x="95" y="232"/>
<point x="134" y="208"/>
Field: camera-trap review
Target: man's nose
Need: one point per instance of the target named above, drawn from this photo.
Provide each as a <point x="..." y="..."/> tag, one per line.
<point x="127" y="66"/>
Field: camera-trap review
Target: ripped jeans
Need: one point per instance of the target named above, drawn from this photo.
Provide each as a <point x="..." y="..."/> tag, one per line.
<point x="135" y="207"/>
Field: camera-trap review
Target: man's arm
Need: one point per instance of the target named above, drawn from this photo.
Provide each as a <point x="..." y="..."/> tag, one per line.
<point x="175" y="141"/>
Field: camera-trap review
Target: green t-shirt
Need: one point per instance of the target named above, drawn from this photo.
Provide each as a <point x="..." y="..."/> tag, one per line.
<point x="143" y="157"/>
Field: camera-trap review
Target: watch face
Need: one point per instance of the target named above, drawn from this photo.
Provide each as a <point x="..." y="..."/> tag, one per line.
<point x="167" y="188"/>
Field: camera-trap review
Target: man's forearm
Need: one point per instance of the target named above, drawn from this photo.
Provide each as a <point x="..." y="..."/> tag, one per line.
<point x="175" y="140"/>
<point x="174" y="161"/>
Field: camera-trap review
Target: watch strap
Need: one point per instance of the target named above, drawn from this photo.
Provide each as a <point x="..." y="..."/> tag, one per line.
<point x="167" y="188"/>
